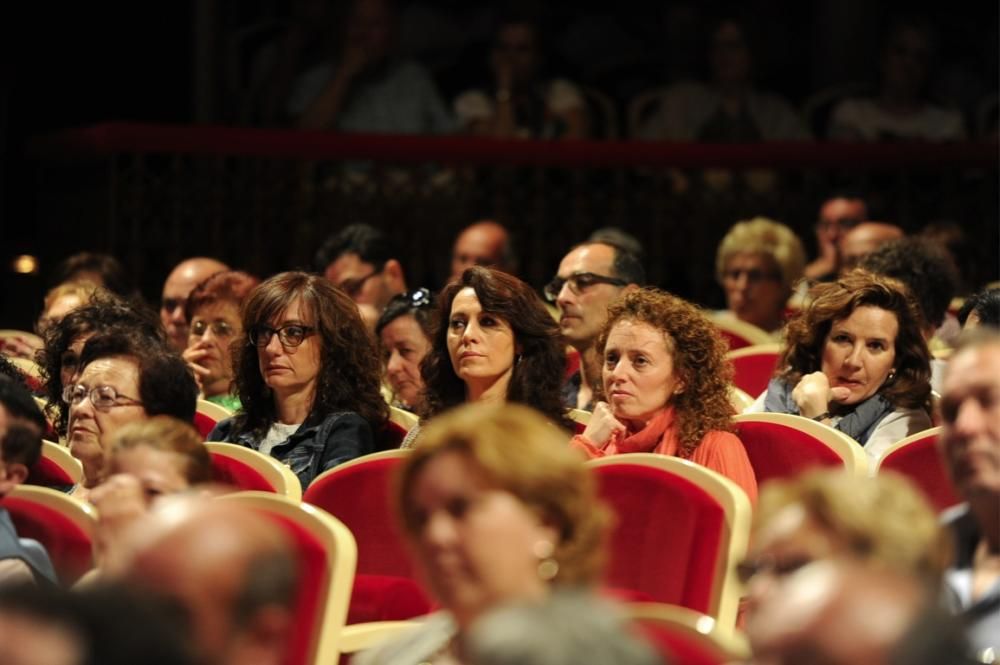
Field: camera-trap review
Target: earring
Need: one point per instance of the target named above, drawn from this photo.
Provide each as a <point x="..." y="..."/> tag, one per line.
<point x="547" y="566"/>
<point x="892" y="375"/>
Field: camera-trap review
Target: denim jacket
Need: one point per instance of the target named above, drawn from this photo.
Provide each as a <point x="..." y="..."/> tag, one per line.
<point x="320" y="443"/>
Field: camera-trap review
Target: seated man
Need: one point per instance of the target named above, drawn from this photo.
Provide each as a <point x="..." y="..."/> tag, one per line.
<point x="838" y="215"/>
<point x="485" y="243"/>
<point x="862" y="240"/>
<point x="21" y="427"/>
<point x="180" y="283"/>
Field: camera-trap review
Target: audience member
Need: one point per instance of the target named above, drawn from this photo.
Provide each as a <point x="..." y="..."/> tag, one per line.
<point x="864" y="239"/>
<point x="531" y="526"/>
<point x="404" y="331"/>
<point x="365" y="88"/>
<point x="61" y="300"/>
<point x="523" y="103"/>
<point x="729" y="109"/>
<point x="124" y="377"/>
<point x="981" y="309"/>
<point x="494" y="341"/>
<point x="618" y="237"/>
<point x="361" y="261"/>
<point x="213" y="312"/>
<point x="21" y="428"/>
<point x="970" y="443"/>
<point x="102" y="270"/>
<point x="667" y="383"/>
<point x="180" y="282"/>
<point x="758" y="264"/>
<point x="838" y="215"/>
<point x="232" y="570"/>
<point x="308" y="381"/>
<point x="855" y="359"/>
<point x="485" y="243"/>
<point x="590" y="277"/>
<point x="59" y="359"/>
<point x="900" y="111"/>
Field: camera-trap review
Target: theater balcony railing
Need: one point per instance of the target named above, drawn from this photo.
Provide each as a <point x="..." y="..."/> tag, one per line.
<point x="264" y="199"/>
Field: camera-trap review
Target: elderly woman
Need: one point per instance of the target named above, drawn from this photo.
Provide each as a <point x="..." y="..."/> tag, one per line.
<point x="856" y="360"/>
<point x="498" y="512"/>
<point x="757" y="264"/>
<point x="59" y="359"/>
<point x="308" y="380"/>
<point x="123" y="378"/>
<point x="666" y="382"/>
<point x="213" y="314"/>
<point x="404" y="332"/>
<point x="494" y="341"/>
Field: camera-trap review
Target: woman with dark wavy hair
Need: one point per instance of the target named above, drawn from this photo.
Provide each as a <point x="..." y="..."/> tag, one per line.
<point x="855" y="359"/>
<point x="308" y="378"/>
<point x="493" y="341"/>
<point x="665" y="387"/>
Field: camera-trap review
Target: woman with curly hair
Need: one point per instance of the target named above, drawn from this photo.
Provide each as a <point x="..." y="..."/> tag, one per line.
<point x="308" y="380"/>
<point x="493" y="341"/>
<point x="666" y="381"/>
<point x="856" y="360"/>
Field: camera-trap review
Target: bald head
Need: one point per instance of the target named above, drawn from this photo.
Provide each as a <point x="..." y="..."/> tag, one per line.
<point x="485" y="243"/>
<point x="180" y="282"/>
<point x="863" y="239"/>
<point x="225" y="564"/>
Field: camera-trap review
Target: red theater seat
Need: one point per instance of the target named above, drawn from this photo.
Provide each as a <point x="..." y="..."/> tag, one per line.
<point x="63" y="525"/>
<point x="917" y="458"/>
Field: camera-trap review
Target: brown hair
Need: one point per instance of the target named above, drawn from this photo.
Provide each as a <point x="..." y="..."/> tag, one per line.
<point x="228" y="286"/>
<point x="349" y="363"/>
<point x="519" y="452"/>
<point x="536" y="379"/>
<point x="883" y="519"/>
<point x="699" y="356"/>
<point x="807" y="331"/>
<point x="172" y="436"/>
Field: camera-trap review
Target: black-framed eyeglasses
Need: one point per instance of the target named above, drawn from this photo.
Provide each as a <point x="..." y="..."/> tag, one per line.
<point x="749" y="568"/>
<point x="579" y="282"/>
<point x="218" y="327"/>
<point x="104" y="398"/>
<point x="753" y="275"/>
<point x="352" y="287"/>
<point x="290" y="335"/>
<point x="845" y="223"/>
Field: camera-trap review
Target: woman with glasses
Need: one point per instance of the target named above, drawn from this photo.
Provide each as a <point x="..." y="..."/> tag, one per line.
<point x="213" y="314"/>
<point x="757" y="264"/>
<point x="493" y="342"/>
<point x="404" y="332"/>
<point x="307" y="379"/>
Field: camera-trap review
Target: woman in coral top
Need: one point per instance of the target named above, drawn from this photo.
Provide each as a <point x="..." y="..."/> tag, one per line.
<point x="666" y="383"/>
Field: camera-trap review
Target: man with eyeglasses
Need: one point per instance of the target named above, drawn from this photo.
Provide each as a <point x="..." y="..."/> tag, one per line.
<point x="360" y="261"/>
<point x="590" y="276"/>
<point x="837" y="216"/>
<point x="180" y="282"/>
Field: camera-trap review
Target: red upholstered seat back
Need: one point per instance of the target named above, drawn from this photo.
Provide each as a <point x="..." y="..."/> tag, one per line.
<point x="779" y="451"/>
<point x="668" y="536"/>
<point x="751" y="373"/>
<point x="47" y="473"/>
<point x="241" y="475"/>
<point x="68" y="545"/>
<point x="734" y="339"/>
<point x="920" y="462"/>
<point x="390" y="437"/>
<point x="678" y="646"/>
<point x="313" y="582"/>
<point x="359" y="496"/>
<point x="204" y="424"/>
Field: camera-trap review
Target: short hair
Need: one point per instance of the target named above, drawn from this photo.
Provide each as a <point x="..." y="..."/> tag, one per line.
<point x="370" y="244"/>
<point x="883" y="519"/>
<point x="272" y="579"/>
<point x="108" y="268"/>
<point x="419" y="304"/>
<point x="105" y="313"/>
<point x="618" y="238"/>
<point x="350" y="367"/>
<point x="626" y="264"/>
<point x="699" y="358"/>
<point x="536" y="379"/>
<point x="774" y="240"/>
<point x="986" y="305"/>
<point x="22" y="443"/>
<point x="518" y="451"/>
<point x="166" y="384"/>
<point x="170" y="435"/>
<point x="924" y="267"/>
<point x="807" y="330"/>
<point x="227" y="286"/>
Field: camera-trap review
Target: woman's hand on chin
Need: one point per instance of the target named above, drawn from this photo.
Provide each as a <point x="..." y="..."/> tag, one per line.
<point x="603" y="425"/>
<point x="813" y="394"/>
